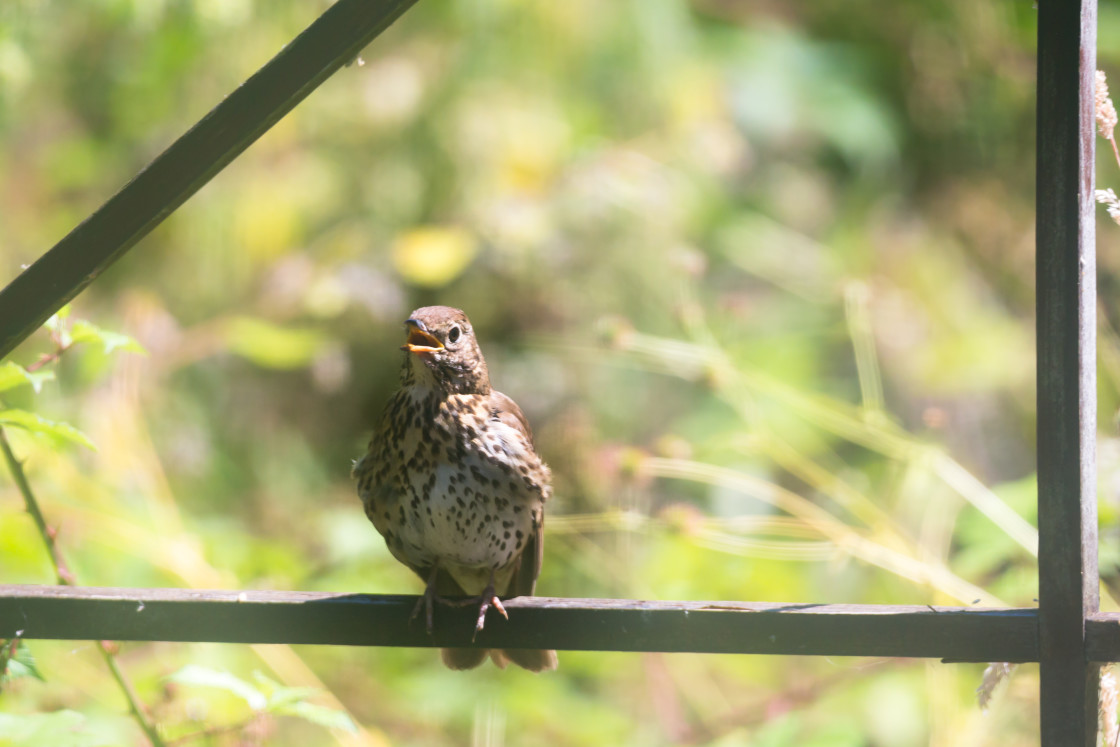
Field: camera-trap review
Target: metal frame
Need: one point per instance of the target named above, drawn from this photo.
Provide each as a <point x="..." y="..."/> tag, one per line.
<point x="1066" y="290"/>
<point x="1066" y="633"/>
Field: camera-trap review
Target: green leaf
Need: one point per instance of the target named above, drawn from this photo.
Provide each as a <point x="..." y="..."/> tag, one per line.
<point x="201" y="676"/>
<point x="55" y="431"/>
<point x="272" y="346"/>
<point x="292" y="701"/>
<point x="317" y="714"/>
<point x="57" y="326"/>
<point x="20" y="666"/>
<point x="283" y="696"/>
<point x="433" y="256"/>
<point x="83" y="331"/>
<point x="279" y="695"/>
<point x="57" y="318"/>
<point x="13" y="375"/>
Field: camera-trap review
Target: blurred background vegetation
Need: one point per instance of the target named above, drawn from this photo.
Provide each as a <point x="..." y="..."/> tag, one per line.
<point x="760" y="273"/>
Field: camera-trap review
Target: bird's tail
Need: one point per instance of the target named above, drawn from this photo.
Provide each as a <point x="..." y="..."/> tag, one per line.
<point x="535" y="660"/>
<point x="463" y="658"/>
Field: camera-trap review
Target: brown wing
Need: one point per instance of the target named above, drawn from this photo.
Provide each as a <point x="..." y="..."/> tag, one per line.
<point x="524" y="579"/>
<point x="507" y="411"/>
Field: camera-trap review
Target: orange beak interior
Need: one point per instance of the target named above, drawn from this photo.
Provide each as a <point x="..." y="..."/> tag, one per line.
<point x="420" y="341"/>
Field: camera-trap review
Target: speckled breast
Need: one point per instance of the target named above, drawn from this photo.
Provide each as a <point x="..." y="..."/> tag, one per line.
<point x="452" y="483"/>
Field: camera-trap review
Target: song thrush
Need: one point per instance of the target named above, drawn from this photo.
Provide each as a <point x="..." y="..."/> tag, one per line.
<point x="453" y="483"/>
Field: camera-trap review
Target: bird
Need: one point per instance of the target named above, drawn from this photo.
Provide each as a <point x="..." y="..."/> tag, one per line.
<point x="451" y="479"/>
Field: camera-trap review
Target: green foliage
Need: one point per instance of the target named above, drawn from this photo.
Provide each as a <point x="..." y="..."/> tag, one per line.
<point x="58" y="433"/>
<point x="110" y="342"/>
<point x="194" y="675"/>
<point x="16" y="662"/>
<point x="267" y="696"/>
<point x="66" y="334"/>
<point x="271" y="345"/>
<point x="13" y="375"/>
<point x="63" y="728"/>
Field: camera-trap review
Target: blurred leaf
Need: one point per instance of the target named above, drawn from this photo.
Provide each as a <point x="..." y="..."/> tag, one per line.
<point x="269" y="218"/>
<point x="292" y="701"/>
<point x="57" y="729"/>
<point x="433" y="256"/>
<point x="203" y="677"/>
<point x="13" y="375"/>
<point x="84" y="331"/>
<point x="56" y="325"/>
<point x="317" y="714"/>
<point x="272" y="346"/>
<point x="19" y="666"/>
<point x="55" y="431"/>
<point x="786" y="86"/>
<point x="279" y="695"/>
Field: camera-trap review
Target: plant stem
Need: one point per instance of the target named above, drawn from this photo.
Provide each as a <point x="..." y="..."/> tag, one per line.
<point x="130" y="695"/>
<point x="66" y="578"/>
<point x="1115" y="151"/>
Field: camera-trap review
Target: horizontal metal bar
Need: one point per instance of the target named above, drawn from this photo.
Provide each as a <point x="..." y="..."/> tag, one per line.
<point x="248" y="112"/>
<point x="1102" y="637"/>
<point x="952" y="633"/>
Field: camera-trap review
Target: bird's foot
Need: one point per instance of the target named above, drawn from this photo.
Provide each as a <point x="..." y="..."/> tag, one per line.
<point x="489" y="599"/>
<point x="425" y="602"/>
<point x="428" y="601"/>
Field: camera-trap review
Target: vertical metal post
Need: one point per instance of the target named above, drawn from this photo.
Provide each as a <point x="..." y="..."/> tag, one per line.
<point x="1067" y="395"/>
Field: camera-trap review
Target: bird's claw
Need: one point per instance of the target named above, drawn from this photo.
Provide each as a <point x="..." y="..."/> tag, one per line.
<point x="487" y="600"/>
<point x="426" y="602"/>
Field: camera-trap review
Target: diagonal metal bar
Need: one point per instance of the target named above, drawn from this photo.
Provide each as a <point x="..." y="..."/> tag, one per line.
<point x="1067" y="395"/>
<point x="955" y="633"/>
<point x="333" y="39"/>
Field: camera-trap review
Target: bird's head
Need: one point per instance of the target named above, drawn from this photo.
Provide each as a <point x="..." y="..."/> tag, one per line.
<point x="442" y="352"/>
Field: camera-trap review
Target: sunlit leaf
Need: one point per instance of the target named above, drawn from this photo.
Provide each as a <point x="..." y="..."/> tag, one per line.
<point x="279" y="695"/>
<point x="292" y="701"/>
<point x="284" y="696"/>
<point x="317" y="714"/>
<point x="83" y="331"/>
<point x="203" y="677"/>
<point x="272" y="346"/>
<point x="57" y="326"/>
<point x="13" y="375"/>
<point x="433" y="256"/>
<point x="54" y="430"/>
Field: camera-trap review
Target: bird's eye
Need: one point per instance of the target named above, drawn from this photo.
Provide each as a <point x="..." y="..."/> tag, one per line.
<point x="454" y="334"/>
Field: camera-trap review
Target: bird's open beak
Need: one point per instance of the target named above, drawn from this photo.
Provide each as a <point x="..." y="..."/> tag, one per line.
<point x="419" y="339"/>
